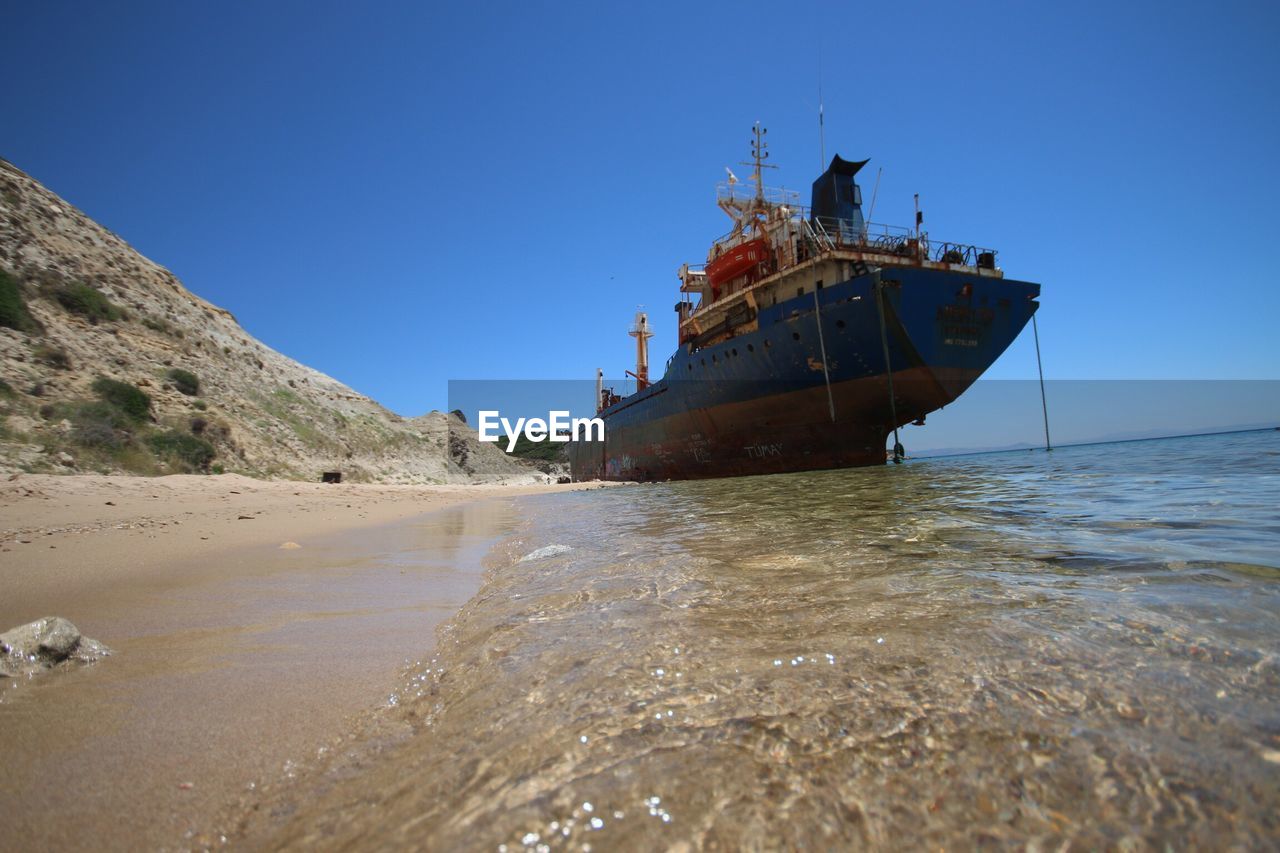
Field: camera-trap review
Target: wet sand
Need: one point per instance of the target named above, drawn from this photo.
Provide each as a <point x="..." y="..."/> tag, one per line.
<point x="233" y="656"/>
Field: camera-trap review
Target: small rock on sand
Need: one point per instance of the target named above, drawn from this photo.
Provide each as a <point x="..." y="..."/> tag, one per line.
<point x="548" y="551"/>
<point x="45" y="643"/>
<point x="289" y="546"/>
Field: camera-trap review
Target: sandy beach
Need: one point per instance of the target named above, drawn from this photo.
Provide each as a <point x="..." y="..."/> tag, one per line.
<point x="91" y="531"/>
<point x="248" y="619"/>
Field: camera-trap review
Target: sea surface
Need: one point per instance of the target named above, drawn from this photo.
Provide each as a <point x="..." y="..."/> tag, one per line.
<point x="1007" y="650"/>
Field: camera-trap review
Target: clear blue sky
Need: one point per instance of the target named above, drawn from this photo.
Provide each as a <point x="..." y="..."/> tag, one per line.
<point x="404" y="193"/>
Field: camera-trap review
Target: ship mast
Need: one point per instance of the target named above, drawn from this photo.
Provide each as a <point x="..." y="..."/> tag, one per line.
<point x="742" y="210"/>
<point x="640" y="331"/>
<point x="759" y="153"/>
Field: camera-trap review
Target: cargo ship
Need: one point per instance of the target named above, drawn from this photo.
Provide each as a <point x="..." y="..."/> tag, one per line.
<point x="806" y="340"/>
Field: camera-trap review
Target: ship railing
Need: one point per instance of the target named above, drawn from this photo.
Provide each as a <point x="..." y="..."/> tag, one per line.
<point x="901" y="242"/>
<point x="821" y="234"/>
<point x="737" y="191"/>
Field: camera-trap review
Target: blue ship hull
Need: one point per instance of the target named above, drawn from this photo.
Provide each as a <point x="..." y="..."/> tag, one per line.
<point x="761" y="402"/>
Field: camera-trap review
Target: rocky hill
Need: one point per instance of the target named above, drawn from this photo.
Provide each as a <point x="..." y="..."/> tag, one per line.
<point x="108" y="364"/>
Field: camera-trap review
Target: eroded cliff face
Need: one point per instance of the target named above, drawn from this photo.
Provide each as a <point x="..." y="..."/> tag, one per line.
<point x="78" y="304"/>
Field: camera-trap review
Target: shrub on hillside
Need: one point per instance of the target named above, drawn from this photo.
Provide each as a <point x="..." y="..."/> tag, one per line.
<point x="185" y="381"/>
<point x="189" y="450"/>
<point x="99" y="424"/>
<point x="13" y="307"/>
<point x="94" y="423"/>
<point x="79" y="298"/>
<point x="129" y="399"/>
<point x="159" y="324"/>
<point x="55" y="357"/>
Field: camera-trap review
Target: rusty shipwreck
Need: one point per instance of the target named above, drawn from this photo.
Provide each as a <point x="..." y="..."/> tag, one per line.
<point x="807" y="338"/>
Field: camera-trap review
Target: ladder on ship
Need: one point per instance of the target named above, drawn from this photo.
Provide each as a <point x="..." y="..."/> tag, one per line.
<point x="815" y="237"/>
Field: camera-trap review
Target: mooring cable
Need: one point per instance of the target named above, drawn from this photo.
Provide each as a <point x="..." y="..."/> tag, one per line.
<point x="1043" y="405"/>
<point x="898" y="452"/>
<point x="822" y="348"/>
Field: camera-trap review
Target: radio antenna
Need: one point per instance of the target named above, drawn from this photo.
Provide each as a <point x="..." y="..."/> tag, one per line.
<point x="874" y="193"/>
<point x="822" y="135"/>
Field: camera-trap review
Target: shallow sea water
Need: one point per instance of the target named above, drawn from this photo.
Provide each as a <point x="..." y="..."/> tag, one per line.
<point x="1017" y="649"/>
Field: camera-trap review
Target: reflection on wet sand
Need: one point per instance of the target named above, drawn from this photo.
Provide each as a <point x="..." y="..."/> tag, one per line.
<point x="225" y="670"/>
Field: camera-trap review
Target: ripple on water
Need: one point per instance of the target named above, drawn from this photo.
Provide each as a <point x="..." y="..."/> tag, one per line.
<point x="1010" y="649"/>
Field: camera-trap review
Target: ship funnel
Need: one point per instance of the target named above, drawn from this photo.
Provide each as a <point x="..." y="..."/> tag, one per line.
<point x="640" y="331"/>
<point x="836" y="202"/>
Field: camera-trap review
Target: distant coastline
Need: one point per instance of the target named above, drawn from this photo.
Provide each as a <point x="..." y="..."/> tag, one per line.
<point x="948" y="453"/>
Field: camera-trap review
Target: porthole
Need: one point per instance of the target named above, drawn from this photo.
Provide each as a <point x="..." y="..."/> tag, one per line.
<point x="839" y="324"/>
<point x="795" y="336"/>
<point x="767" y="344"/>
<point x="715" y="360"/>
<point x="689" y="365"/>
<point x="704" y="362"/>
<point x="750" y="348"/>
<point x="735" y="352"/>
